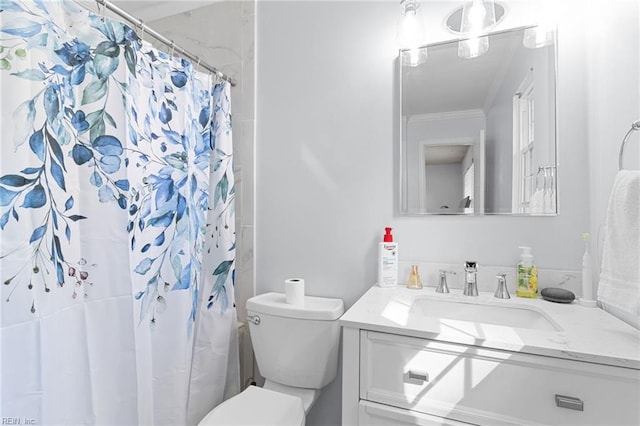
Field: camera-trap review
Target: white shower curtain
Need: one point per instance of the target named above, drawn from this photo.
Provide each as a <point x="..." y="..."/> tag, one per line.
<point x="117" y="239"/>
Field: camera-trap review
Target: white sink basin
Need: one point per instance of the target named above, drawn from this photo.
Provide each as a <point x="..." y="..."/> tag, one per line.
<point x="508" y="316"/>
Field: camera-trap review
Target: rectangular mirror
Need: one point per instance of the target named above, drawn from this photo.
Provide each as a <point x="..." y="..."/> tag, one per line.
<point x="478" y="136"/>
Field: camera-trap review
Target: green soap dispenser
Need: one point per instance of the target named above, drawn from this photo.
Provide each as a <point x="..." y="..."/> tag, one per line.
<point x="527" y="275"/>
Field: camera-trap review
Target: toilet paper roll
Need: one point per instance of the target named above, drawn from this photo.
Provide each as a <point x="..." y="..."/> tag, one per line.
<point x="294" y="291"/>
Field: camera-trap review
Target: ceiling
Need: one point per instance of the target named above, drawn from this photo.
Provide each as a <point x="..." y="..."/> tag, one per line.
<point x="445" y="154"/>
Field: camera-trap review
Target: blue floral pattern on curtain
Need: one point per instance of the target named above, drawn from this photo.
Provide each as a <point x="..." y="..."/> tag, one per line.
<point x="136" y="124"/>
<point x="117" y="229"/>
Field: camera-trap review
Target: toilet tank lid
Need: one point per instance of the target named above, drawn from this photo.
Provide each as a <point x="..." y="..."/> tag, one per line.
<point x="315" y="308"/>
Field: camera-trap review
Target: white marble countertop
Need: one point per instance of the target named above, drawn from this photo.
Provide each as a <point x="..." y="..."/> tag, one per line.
<point x="584" y="334"/>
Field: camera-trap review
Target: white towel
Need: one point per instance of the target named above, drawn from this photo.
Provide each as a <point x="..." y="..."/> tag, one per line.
<point x="550" y="202"/>
<point x="620" y="272"/>
<point x="536" y="202"/>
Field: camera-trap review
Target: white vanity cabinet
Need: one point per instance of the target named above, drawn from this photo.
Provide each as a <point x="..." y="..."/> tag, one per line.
<point x="454" y="384"/>
<point x="403" y="367"/>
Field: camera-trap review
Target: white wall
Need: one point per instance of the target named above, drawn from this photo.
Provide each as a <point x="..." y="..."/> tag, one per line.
<point x="325" y="150"/>
<point x="327" y="143"/>
<point x="613" y="85"/>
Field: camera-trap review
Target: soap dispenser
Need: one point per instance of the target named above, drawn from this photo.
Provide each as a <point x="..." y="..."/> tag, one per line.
<point x="414" y="282"/>
<point x="527" y="275"/>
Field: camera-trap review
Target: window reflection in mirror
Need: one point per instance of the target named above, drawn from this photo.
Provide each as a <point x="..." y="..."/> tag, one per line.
<point x="478" y="135"/>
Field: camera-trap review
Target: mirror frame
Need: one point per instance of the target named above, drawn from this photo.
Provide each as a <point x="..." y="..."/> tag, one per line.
<point x="403" y="178"/>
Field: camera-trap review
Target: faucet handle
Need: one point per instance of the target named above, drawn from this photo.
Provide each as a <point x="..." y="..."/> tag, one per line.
<point x="501" y="290"/>
<point x="470" y="266"/>
<point x="442" y="283"/>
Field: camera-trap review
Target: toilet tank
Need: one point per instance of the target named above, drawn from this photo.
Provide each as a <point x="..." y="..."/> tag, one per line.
<point x="296" y="345"/>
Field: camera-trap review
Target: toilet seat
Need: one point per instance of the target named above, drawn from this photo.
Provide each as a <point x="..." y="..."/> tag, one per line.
<point x="308" y="396"/>
<point x="257" y="406"/>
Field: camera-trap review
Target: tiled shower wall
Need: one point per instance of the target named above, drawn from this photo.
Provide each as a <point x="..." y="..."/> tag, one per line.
<point x="223" y="35"/>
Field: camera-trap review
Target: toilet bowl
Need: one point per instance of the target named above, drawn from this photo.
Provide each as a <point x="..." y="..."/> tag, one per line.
<point x="296" y="348"/>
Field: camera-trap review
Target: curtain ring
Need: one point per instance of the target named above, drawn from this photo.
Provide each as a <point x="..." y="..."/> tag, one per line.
<point x="172" y="47"/>
<point x="141" y="25"/>
<point x="101" y="10"/>
<point x="198" y="62"/>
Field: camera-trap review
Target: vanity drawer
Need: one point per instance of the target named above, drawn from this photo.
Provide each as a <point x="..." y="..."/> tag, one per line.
<point x="472" y="384"/>
<point x="373" y="414"/>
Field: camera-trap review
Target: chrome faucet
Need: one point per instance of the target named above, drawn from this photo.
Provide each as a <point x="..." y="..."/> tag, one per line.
<point x="501" y="291"/>
<point x="442" y="284"/>
<point x="470" y="278"/>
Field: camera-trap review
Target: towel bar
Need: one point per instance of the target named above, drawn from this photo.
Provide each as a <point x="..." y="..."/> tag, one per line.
<point x="634" y="126"/>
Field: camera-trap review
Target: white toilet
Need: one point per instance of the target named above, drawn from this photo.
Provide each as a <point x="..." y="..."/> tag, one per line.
<point x="296" y="348"/>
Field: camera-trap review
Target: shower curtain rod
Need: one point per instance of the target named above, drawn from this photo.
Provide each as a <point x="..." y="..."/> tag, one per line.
<point x="140" y="24"/>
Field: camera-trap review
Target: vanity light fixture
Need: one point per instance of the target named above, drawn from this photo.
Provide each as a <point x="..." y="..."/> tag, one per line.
<point x="539" y="36"/>
<point x="478" y="17"/>
<point x="543" y="34"/>
<point x="411" y="34"/>
<point x="473" y="47"/>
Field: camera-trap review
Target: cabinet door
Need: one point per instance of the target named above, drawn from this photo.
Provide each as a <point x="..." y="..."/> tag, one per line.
<point x="482" y="386"/>
<point x="372" y="414"/>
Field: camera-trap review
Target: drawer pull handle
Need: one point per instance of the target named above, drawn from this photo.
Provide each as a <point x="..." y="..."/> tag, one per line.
<point x="569" y="402"/>
<point x="422" y="376"/>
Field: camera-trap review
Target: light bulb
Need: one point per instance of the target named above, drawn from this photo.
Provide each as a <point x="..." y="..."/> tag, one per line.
<point x="477" y="14"/>
<point x="410" y="28"/>
<point x="478" y="17"/>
